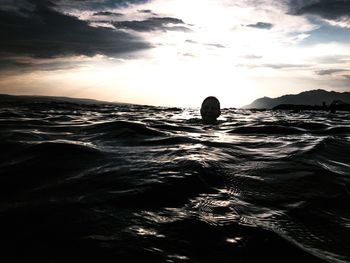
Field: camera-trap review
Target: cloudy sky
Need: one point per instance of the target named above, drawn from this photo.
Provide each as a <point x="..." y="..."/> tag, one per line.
<point x="174" y="52"/>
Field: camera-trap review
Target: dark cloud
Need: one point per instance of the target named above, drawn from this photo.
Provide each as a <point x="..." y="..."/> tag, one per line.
<point x="328" y="71"/>
<point x="15" y="5"/>
<point x="152" y="24"/>
<point x="261" y="25"/>
<point x="8" y="65"/>
<point x="98" y="5"/>
<point x="107" y="13"/>
<point x="147" y="11"/>
<point x="334" y="10"/>
<point x="329" y="9"/>
<point x="44" y="32"/>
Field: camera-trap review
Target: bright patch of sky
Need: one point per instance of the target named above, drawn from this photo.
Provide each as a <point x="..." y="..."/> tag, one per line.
<point x="182" y="51"/>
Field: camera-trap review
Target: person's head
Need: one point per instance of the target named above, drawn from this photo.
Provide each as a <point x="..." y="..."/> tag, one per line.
<point x="210" y="110"/>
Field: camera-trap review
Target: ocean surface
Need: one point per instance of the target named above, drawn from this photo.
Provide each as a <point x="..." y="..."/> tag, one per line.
<point x="128" y="183"/>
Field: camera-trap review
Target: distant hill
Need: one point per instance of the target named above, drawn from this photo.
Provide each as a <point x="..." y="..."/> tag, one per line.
<point x="312" y="97"/>
<point x="4" y="98"/>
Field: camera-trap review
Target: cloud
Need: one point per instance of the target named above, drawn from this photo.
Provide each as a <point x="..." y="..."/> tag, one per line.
<point x="147" y="11"/>
<point x="335" y="12"/>
<point x="341" y="82"/>
<point x="100" y="5"/>
<point x="328" y="71"/>
<point x="261" y="25"/>
<point x="107" y="13"/>
<point x="16" y="6"/>
<point x="20" y="65"/>
<point x="334" y="59"/>
<point x="188" y="54"/>
<point x="274" y="66"/>
<point x="191" y="41"/>
<point x="283" y="66"/>
<point x="216" y="45"/>
<point x="44" y="32"/>
<point x="330" y="9"/>
<point x="152" y="24"/>
<point x="252" y="57"/>
<point x="328" y="33"/>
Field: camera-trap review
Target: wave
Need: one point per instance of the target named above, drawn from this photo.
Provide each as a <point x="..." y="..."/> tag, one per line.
<point x="157" y="183"/>
<point x="270" y="129"/>
<point x="121" y="130"/>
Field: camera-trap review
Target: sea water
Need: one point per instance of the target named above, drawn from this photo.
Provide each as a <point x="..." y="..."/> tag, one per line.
<point x="126" y="183"/>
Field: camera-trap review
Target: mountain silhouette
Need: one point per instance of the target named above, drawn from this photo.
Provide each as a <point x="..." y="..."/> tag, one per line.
<point x="5" y="98"/>
<point x="312" y="97"/>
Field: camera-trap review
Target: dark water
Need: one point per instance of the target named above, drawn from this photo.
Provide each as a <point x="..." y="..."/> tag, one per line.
<point x="106" y="183"/>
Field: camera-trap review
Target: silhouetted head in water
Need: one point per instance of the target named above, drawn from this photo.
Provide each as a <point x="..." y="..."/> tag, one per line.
<point x="210" y="110"/>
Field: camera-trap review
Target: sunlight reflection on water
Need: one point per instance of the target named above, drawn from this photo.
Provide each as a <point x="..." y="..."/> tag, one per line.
<point x="158" y="173"/>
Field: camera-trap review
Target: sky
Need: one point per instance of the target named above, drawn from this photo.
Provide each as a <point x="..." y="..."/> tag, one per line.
<point x="174" y="52"/>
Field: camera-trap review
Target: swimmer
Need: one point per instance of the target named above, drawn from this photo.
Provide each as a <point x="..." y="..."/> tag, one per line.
<point x="210" y="110"/>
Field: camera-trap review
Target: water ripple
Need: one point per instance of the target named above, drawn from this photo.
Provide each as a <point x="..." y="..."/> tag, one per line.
<point x="155" y="183"/>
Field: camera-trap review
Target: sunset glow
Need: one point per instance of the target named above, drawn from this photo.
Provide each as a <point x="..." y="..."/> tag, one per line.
<point x="175" y="53"/>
